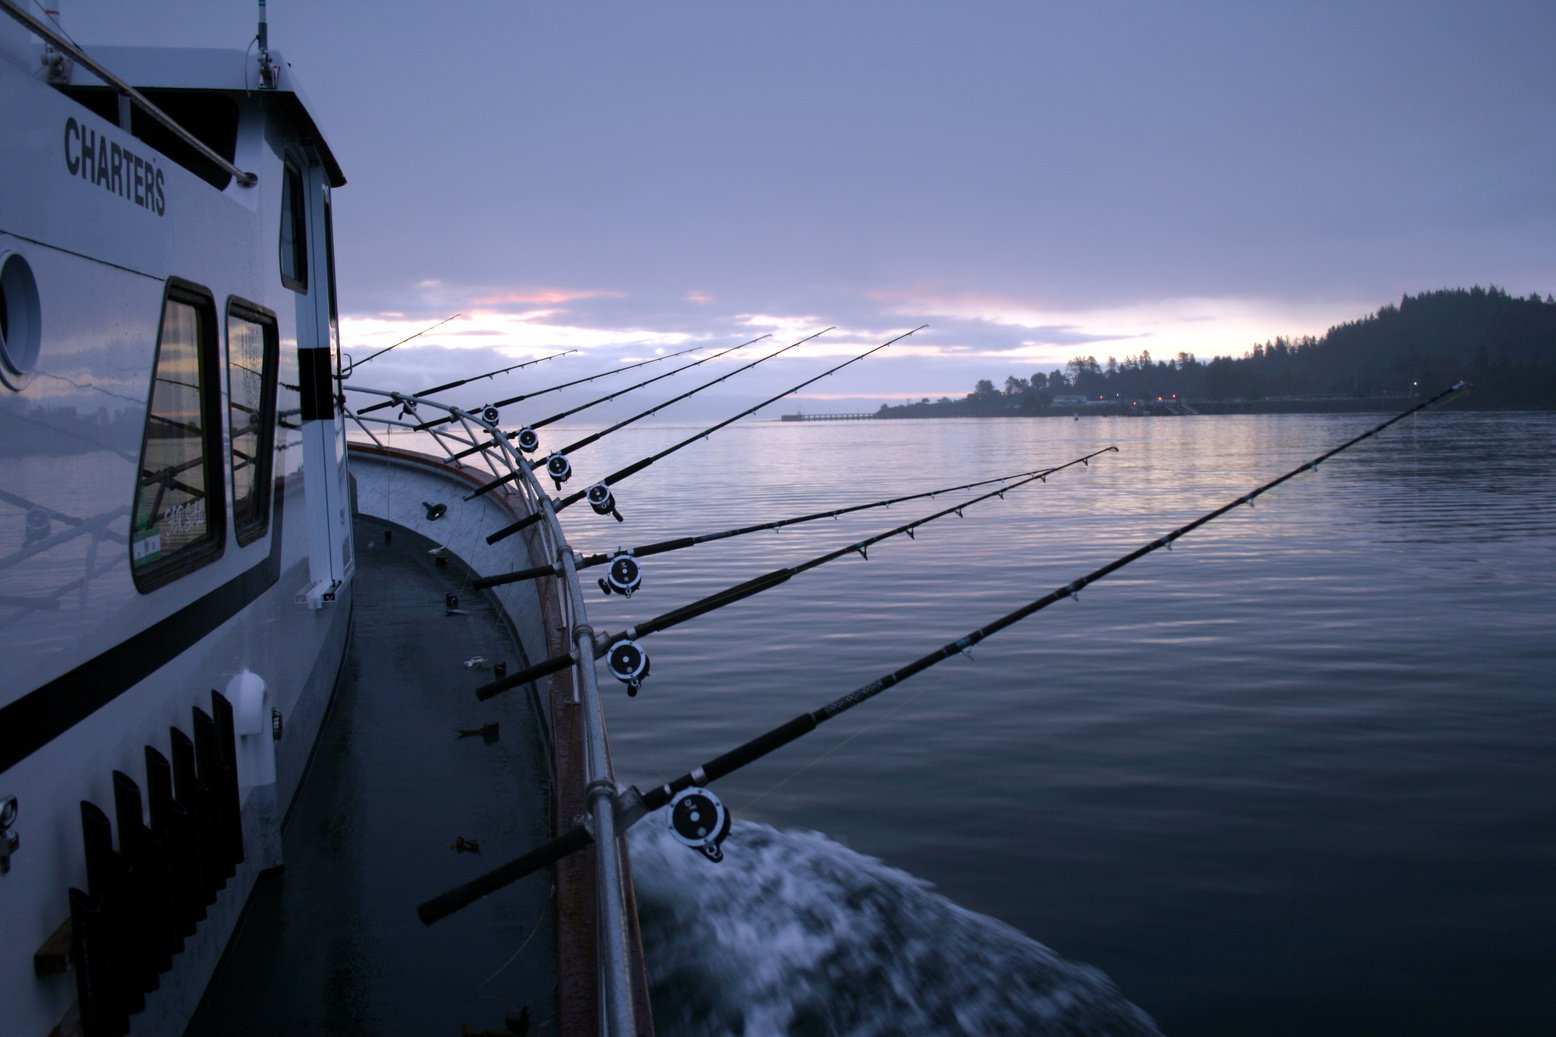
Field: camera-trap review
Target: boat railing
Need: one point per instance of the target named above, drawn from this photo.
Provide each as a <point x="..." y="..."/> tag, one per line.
<point x="53" y="37"/>
<point x="469" y="435"/>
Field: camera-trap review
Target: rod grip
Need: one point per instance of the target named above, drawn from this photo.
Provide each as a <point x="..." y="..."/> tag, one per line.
<point x="488" y="487"/>
<point x="483" y="582"/>
<point x="714" y="601"/>
<point x="678" y="544"/>
<point x="494" y="688"/>
<point x="508" y="530"/>
<point x="460" y="897"/>
<point x="759" y="746"/>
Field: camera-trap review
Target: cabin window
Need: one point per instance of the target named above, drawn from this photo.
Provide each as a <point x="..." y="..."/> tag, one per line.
<point x="329" y="263"/>
<point x="177" y="522"/>
<point x="210" y="118"/>
<point x="253" y="351"/>
<point x="294" y="231"/>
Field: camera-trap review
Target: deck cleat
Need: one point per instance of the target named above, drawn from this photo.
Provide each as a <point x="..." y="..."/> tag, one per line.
<point x="697" y="819"/>
<point x="529" y="440"/>
<point x="603" y="501"/>
<point x="624" y="575"/>
<point x="559" y="468"/>
<point x="434" y="511"/>
<point x="629" y="664"/>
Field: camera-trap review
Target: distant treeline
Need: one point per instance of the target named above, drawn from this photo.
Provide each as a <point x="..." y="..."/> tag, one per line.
<point x="1506" y="346"/>
<point x="60" y="430"/>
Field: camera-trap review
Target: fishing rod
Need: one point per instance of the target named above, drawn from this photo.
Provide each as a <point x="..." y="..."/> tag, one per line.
<point x="403" y="398"/>
<point x="627" y="660"/>
<point x="561" y="469"/>
<point x="625" y="575"/>
<point x="358" y="363"/>
<point x="604" y="502"/>
<point x="699" y="820"/>
<point x="534" y="444"/>
<point x="424" y="426"/>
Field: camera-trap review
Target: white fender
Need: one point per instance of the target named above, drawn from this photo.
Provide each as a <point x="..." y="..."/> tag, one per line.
<point x="251" y="703"/>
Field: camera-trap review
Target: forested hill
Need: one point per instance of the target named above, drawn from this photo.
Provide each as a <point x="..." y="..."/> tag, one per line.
<point x="1505" y="346"/>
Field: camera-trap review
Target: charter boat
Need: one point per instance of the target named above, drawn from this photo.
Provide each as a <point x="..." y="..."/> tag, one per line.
<point x="184" y="533"/>
<point x="236" y="742"/>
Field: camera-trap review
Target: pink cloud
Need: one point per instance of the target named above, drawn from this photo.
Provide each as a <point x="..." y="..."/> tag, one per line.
<point x="541" y="297"/>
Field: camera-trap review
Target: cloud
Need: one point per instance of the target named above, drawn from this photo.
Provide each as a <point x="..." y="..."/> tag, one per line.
<point x="514" y="335"/>
<point x="970" y="336"/>
<point x="505" y="301"/>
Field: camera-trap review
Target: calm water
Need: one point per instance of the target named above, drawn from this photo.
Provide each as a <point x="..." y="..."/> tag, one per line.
<point x="1294" y="776"/>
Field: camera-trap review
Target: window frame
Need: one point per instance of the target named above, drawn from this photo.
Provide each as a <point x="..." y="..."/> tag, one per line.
<point x="294" y="215"/>
<point x="188" y="557"/>
<point x="249" y="527"/>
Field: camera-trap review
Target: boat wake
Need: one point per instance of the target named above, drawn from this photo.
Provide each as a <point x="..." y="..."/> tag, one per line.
<point x="795" y="934"/>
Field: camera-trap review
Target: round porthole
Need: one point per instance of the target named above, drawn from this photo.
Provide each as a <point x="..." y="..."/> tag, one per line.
<point x="21" y="329"/>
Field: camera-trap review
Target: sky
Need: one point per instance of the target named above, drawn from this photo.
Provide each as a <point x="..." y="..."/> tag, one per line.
<point x="1033" y="181"/>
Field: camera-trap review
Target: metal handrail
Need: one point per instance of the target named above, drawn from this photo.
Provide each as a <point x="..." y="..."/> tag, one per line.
<point x="614" y="958"/>
<point x="57" y="39"/>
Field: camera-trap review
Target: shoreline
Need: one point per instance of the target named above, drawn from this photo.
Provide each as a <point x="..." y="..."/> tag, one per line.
<point x="1200" y="407"/>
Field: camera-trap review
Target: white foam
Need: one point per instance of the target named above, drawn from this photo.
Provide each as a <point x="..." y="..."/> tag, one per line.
<point x="795" y="934"/>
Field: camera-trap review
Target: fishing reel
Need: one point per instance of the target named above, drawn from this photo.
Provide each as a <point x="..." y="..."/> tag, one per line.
<point x="559" y="468"/>
<point x="697" y="819"/>
<point x="623" y="576"/>
<point x="603" y="501"/>
<point x="529" y="440"/>
<point x="490" y="414"/>
<point x="628" y="663"/>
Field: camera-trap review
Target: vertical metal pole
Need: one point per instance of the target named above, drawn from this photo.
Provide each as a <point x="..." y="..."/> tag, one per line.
<point x="614" y="964"/>
<point x="615" y="974"/>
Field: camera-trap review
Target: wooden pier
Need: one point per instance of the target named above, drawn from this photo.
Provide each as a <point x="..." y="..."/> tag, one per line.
<point x="856" y="416"/>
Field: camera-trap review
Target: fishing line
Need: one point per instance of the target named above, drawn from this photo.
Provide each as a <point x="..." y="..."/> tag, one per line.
<point x="543" y="422"/>
<point x="602" y="500"/>
<point x="424" y="426"/>
<point x="545" y="910"/>
<point x="870" y="727"/>
<point x="408" y="400"/>
<point x="351" y="366"/>
<point x="561" y="471"/>
<point x="627" y="660"/>
<point x="620" y="585"/>
<point x="710" y="822"/>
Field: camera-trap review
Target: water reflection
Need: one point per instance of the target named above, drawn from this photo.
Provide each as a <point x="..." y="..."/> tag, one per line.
<point x="1291" y="776"/>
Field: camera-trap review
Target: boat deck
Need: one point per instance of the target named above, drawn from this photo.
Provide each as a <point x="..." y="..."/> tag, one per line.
<point x="331" y="943"/>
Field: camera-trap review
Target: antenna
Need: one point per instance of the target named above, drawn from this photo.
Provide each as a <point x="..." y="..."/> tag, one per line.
<point x="268" y="70"/>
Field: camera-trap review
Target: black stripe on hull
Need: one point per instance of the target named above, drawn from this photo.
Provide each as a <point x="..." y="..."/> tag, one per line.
<point x="42" y="715"/>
